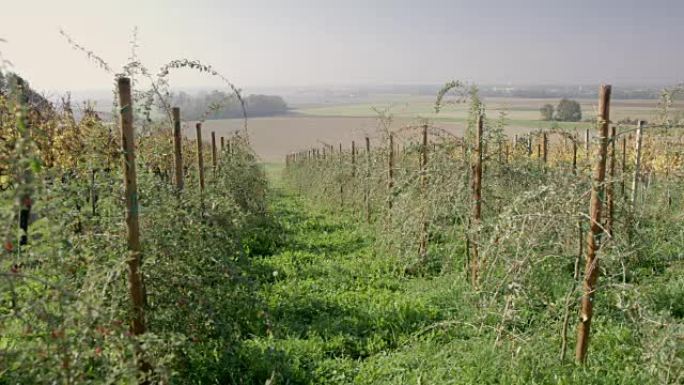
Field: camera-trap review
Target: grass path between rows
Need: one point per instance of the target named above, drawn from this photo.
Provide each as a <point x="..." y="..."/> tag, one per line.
<point x="334" y="305"/>
<point x="337" y="311"/>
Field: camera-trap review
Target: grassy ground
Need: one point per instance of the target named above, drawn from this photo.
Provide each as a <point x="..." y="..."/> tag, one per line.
<point x="332" y="301"/>
<point x="339" y="312"/>
<point x="518" y="116"/>
<point x="523" y="113"/>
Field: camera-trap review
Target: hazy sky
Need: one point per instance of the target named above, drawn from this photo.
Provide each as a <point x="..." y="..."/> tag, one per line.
<point x="346" y="42"/>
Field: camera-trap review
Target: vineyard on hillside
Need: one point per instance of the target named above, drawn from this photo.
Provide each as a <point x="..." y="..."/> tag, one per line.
<point x="66" y="279"/>
<point x="526" y="220"/>
<point x="134" y="254"/>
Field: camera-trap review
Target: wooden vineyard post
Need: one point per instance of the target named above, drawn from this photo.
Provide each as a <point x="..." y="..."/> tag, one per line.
<point x="575" y="278"/>
<point x="135" y="284"/>
<point x="223" y="144"/>
<point x="637" y="164"/>
<point x="214" y="159"/>
<point x="545" y="147"/>
<point x="591" y="265"/>
<point x="477" y="199"/>
<point x="177" y="149"/>
<point x="353" y="159"/>
<point x="422" y="250"/>
<point x="623" y="171"/>
<point x="587" y="143"/>
<point x="539" y="151"/>
<point x="610" y="198"/>
<point x="368" y="182"/>
<point x="574" y="154"/>
<point x="390" y="173"/>
<point x="200" y="156"/>
<point x="341" y="180"/>
<point x="93" y="193"/>
<point x="529" y="145"/>
<point x="24" y="190"/>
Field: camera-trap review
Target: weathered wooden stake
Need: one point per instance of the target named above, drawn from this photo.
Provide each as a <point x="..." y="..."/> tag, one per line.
<point x="390" y="173"/>
<point x="539" y="151"/>
<point x="545" y="146"/>
<point x="477" y="200"/>
<point x="574" y="154"/>
<point x="637" y="164"/>
<point x="610" y="199"/>
<point x="575" y="278"/>
<point x="214" y="158"/>
<point x="135" y="284"/>
<point x="177" y="151"/>
<point x="200" y="156"/>
<point x="368" y="177"/>
<point x="422" y="250"/>
<point x="24" y="191"/>
<point x="623" y="171"/>
<point x="591" y="266"/>
<point x="93" y="192"/>
<point x="353" y="159"/>
<point x="342" y="180"/>
<point x="587" y="143"/>
<point x="529" y="145"/>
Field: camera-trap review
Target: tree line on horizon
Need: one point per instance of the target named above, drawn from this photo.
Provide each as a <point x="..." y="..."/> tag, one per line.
<point x="220" y="105"/>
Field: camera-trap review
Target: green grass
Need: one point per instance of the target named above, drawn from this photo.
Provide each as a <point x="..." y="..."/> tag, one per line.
<point x="521" y="113"/>
<point x="517" y="117"/>
<point x="332" y="301"/>
<point x="340" y="312"/>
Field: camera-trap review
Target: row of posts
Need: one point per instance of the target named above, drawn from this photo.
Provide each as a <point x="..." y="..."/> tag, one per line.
<point x="134" y="260"/>
<point x="602" y="195"/>
<point x="178" y="156"/>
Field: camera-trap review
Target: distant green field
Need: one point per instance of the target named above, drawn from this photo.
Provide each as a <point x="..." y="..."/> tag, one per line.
<point x="519" y="112"/>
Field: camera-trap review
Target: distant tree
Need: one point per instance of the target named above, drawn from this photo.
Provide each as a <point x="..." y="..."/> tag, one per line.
<point x="219" y="105"/>
<point x="547" y="112"/>
<point x="568" y="111"/>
